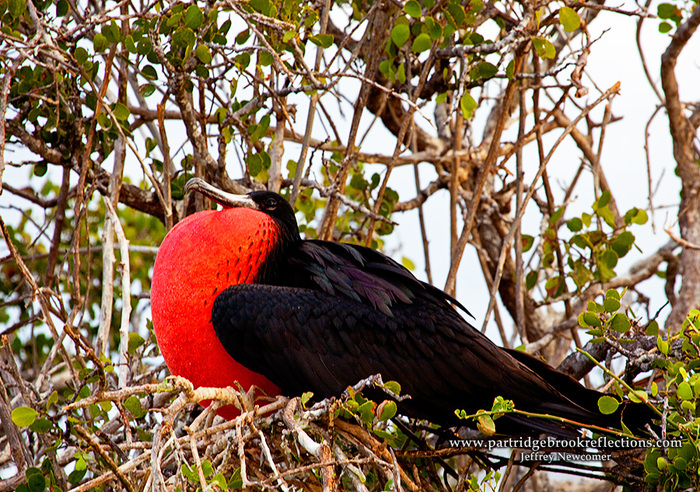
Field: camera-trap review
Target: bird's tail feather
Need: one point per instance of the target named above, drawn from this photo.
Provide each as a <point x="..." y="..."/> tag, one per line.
<point x="582" y="404"/>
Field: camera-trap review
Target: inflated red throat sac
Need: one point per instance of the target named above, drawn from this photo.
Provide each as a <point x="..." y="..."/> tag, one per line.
<point x="199" y="258"/>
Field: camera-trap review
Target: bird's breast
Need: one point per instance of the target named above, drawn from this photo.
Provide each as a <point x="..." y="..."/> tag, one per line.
<point x="199" y="258"/>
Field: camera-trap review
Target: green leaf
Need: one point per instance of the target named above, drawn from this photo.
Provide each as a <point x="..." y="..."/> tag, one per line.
<point x="189" y="473"/>
<point x="129" y="44"/>
<point x="652" y="329"/>
<point x="254" y="164"/>
<point x="544" y="48"/>
<point x="135" y="341"/>
<point x="554" y="286"/>
<point x="144" y="46"/>
<point x="393" y="386"/>
<point x="265" y="58"/>
<point x="386" y="410"/>
<point x="620" y="322"/>
<point x="407" y="263"/>
<point x="636" y="216"/>
<point x="184" y="37"/>
<point x="611" y="304"/>
<point x="53" y="398"/>
<point x="400" y="34"/>
<point x="685" y="392"/>
<point x="262" y="6"/>
<point x="220" y="481"/>
<point x="24" y="416"/>
<point x="133" y="404"/>
<point x="589" y="319"/>
<point x="680" y="463"/>
<point x="433" y="28"/>
<point x="121" y="112"/>
<point x="665" y="27"/>
<point x="575" y="224"/>
<point x="201" y="71"/>
<point x="456" y="11"/>
<point x="654" y="389"/>
<point x="401" y="73"/>
<point x="35" y="480"/>
<point x="207" y="469"/>
<point x="112" y="32"/>
<point x="365" y="411"/>
<point x="623" y="243"/>
<point x="358" y="182"/>
<point x="467" y="104"/>
<point x="510" y="69"/>
<point x="147" y="89"/>
<point x="527" y="241"/>
<point x="288" y="36"/>
<point x="487" y="70"/>
<point x="40" y="168"/>
<point x="607" y="404"/>
<point x="421" y="43"/>
<point x="556" y="216"/>
<point x="259" y="130"/>
<point x="41" y="425"/>
<point x="486" y="424"/>
<point x="16" y="8"/>
<point x="612" y="294"/>
<point x="650" y="461"/>
<point x="569" y="18"/>
<point x="242" y="60"/>
<point x="602" y="201"/>
<point x="387" y="69"/>
<point x="306" y="396"/>
<point x="81" y="55"/>
<point x="62" y="8"/>
<point x="100" y="42"/>
<point x="609" y="259"/>
<point x="323" y="40"/>
<point x="413" y="9"/>
<point x="149" y="72"/>
<point x="638" y="396"/>
<point x="203" y="53"/>
<point x="531" y="279"/>
<point x="193" y="17"/>
<point x="667" y="11"/>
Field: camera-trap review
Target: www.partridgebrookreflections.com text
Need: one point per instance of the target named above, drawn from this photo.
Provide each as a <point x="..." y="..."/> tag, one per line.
<point x="534" y="444"/>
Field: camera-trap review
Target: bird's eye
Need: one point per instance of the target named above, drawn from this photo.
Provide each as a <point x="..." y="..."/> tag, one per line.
<point x="270" y="204"/>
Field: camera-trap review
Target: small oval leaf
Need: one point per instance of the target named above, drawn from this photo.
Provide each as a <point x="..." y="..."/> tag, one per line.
<point x="413" y="9"/>
<point x="685" y="392"/>
<point x="24" y="416"/>
<point x="203" y="53"/>
<point x="607" y="404"/>
<point x="400" y="34"/>
<point x="569" y="18"/>
<point x="421" y="43"/>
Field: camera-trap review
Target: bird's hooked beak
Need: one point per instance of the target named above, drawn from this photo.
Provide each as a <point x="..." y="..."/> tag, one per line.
<point x="226" y="200"/>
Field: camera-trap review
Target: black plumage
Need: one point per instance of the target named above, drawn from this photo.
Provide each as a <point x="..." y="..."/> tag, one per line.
<point x="322" y="316"/>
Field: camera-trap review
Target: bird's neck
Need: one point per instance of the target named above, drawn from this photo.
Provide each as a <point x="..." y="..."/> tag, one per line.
<point x="276" y="246"/>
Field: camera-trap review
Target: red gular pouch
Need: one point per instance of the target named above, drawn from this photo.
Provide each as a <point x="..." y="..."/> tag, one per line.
<point x="199" y="258"/>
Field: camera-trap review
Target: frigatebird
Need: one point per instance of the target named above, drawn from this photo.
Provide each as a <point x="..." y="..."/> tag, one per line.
<point x="238" y="295"/>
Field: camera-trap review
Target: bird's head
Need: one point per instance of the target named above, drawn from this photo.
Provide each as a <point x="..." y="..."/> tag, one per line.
<point x="267" y="202"/>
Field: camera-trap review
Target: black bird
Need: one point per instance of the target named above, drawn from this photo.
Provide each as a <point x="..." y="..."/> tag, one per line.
<point x="320" y="316"/>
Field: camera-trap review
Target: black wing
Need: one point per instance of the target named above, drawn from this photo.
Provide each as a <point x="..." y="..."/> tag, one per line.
<point x="342" y="313"/>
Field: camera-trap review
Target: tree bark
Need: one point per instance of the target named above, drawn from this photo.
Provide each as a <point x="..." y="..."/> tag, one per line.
<point x="682" y="133"/>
